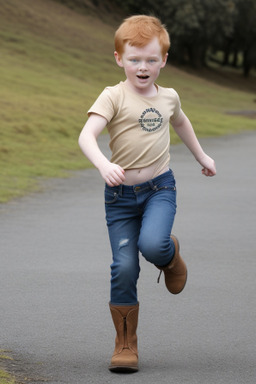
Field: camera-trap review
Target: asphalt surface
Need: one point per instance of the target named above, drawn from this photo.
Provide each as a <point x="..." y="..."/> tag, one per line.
<point x="54" y="279"/>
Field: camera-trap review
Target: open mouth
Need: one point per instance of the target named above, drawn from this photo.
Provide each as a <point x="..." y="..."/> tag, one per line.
<point x="143" y="77"/>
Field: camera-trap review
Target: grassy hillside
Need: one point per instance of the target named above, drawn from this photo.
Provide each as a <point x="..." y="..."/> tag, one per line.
<point x="54" y="62"/>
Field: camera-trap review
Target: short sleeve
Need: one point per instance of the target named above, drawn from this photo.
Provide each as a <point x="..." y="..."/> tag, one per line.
<point x="176" y="105"/>
<point x="103" y="105"/>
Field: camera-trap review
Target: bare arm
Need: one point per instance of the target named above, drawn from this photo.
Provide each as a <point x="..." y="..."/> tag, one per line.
<point x="185" y="131"/>
<point x="113" y="174"/>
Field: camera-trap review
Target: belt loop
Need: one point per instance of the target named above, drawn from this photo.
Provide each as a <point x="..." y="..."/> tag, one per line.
<point x="120" y="190"/>
<point x="152" y="186"/>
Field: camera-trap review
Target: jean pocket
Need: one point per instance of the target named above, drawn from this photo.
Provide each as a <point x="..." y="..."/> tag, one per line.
<point x="110" y="197"/>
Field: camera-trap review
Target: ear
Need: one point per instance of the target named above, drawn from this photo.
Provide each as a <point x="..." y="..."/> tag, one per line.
<point x="118" y="59"/>
<point x="164" y="60"/>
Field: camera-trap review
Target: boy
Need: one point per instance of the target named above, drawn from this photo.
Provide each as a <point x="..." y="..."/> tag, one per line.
<point x="140" y="190"/>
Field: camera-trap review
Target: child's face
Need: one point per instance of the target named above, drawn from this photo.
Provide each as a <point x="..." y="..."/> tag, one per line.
<point x="142" y="65"/>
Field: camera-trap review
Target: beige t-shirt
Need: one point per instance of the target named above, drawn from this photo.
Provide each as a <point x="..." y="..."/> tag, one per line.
<point x="138" y="126"/>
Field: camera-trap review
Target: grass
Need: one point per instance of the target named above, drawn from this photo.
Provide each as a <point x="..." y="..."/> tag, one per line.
<point x="5" y="378"/>
<point x="54" y="63"/>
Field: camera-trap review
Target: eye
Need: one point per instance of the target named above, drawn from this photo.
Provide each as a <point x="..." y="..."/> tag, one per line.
<point x="133" y="60"/>
<point x="151" y="61"/>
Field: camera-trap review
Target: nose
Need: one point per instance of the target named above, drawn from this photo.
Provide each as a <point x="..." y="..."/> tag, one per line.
<point x="143" y="65"/>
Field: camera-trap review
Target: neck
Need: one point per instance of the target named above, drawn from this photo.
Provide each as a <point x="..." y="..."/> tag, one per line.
<point x="151" y="92"/>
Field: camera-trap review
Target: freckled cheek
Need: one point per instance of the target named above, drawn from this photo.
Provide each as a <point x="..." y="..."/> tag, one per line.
<point x="131" y="70"/>
<point x="156" y="71"/>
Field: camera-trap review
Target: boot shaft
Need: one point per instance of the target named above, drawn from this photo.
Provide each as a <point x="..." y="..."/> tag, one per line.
<point x="125" y="319"/>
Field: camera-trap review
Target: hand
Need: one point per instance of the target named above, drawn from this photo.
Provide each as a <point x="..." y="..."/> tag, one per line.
<point x="112" y="173"/>
<point x="209" y="168"/>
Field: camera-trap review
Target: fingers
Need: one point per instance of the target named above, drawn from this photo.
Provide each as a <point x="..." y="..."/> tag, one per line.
<point x="208" y="172"/>
<point x="113" y="174"/>
<point x="208" y="164"/>
<point x="113" y="181"/>
<point x="116" y="177"/>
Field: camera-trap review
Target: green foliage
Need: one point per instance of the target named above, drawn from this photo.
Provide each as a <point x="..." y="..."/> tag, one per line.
<point x="197" y="26"/>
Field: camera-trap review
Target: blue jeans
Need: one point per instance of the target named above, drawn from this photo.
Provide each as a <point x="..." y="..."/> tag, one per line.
<point x="139" y="219"/>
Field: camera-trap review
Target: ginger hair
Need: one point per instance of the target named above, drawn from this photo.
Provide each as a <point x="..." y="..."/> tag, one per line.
<point x="139" y="30"/>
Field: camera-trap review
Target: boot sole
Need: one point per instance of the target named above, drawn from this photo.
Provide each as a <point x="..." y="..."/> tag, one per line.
<point x="120" y="369"/>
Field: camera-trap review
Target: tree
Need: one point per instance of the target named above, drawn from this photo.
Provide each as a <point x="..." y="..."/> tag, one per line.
<point x="244" y="37"/>
<point x="198" y="26"/>
<point x="193" y="24"/>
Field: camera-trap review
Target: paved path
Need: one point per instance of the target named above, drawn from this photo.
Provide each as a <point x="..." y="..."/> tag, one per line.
<point x="54" y="279"/>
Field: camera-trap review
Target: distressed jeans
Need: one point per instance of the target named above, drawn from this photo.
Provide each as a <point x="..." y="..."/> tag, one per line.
<point x="139" y="220"/>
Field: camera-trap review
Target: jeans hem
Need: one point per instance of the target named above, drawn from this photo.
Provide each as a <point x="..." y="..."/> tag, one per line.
<point x="123" y="304"/>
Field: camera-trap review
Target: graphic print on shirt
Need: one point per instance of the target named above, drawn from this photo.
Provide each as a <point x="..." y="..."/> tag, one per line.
<point x="151" y="120"/>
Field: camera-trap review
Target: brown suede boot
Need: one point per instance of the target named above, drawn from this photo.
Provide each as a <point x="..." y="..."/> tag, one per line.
<point x="175" y="273"/>
<point x="125" y="357"/>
